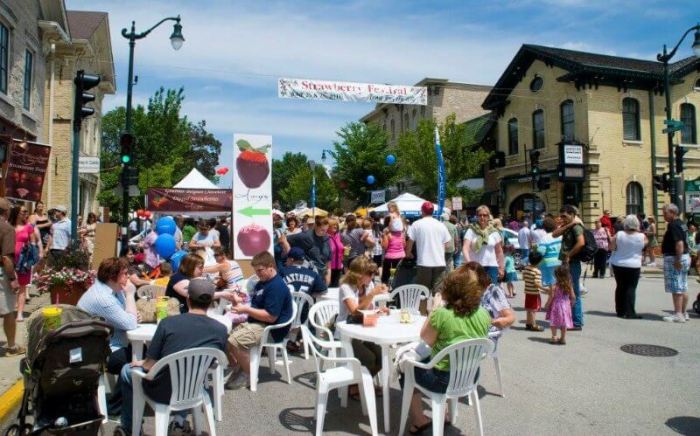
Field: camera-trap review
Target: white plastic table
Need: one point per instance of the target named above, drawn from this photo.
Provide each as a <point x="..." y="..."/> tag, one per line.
<point x="331" y="294"/>
<point x="387" y="332"/>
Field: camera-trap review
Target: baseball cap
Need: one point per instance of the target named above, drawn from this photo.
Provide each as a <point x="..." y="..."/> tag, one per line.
<point x="5" y="204"/>
<point x="61" y="208"/>
<point x="296" y="253"/>
<point x="427" y="208"/>
<point x="201" y="290"/>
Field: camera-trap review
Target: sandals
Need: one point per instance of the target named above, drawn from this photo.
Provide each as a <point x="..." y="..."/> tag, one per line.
<point x="533" y="327"/>
<point x="554" y="340"/>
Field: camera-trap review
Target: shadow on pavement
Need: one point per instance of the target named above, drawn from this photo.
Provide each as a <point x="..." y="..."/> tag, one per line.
<point x="307" y="379"/>
<point x="539" y="339"/>
<point x="685" y="425"/>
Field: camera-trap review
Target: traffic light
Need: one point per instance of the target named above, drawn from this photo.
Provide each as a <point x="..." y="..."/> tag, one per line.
<point x="662" y="182"/>
<point x="535" y="162"/>
<point x="497" y="160"/>
<point x="544" y="183"/>
<point x="83" y="82"/>
<point x="130" y="177"/>
<point x="127" y="144"/>
<point x="679" y="153"/>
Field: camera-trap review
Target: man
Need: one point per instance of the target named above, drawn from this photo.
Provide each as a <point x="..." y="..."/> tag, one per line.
<point x="457" y="257"/>
<point x="676" y="263"/>
<point x="8" y="281"/>
<point x="430" y="237"/>
<point x="179" y="220"/>
<point x="572" y="242"/>
<point x="193" y="329"/>
<point x="316" y="248"/>
<point x="279" y="240"/>
<point x="524" y="240"/>
<point x="60" y="231"/>
<point x="454" y="242"/>
<point x="303" y="278"/>
<point x="271" y="303"/>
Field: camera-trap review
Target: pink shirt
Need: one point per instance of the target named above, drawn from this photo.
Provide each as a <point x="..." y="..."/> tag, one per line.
<point x="396" y="247"/>
<point x="337" y="250"/>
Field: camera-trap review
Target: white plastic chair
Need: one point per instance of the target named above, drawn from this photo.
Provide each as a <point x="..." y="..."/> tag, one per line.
<point x="465" y="359"/>
<point x="321" y="315"/>
<point x="272" y="347"/>
<point x="340" y="376"/>
<point x="496" y="362"/>
<point x="302" y="299"/>
<point x="410" y="297"/>
<point x="188" y="372"/>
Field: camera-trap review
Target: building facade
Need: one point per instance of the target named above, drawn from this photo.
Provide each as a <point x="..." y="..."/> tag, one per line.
<point x="613" y="107"/>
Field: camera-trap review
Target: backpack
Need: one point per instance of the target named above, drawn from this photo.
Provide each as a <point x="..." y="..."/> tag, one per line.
<point x="589" y="247"/>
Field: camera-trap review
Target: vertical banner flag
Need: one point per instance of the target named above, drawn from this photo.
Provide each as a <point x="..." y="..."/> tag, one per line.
<point x="442" y="182"/>
<point x="26" y="169"/>
<point x="252" y="195"/>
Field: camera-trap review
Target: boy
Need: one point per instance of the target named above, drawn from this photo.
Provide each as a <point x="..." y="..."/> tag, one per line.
<point x="532" y="276"/>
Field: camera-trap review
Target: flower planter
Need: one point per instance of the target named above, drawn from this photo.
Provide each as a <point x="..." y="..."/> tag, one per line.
<point x="63" y="294"/>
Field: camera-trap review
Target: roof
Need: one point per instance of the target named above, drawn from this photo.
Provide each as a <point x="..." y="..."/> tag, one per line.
<point x="477" y="128"/>
<point x="585" y="68"/>
<point x="83" y="24"/>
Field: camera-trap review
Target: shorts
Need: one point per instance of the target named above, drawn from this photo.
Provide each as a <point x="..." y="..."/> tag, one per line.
<point x="533" y="302"/>
<point x="547" y="275"/>
<point x="8" y="298"/>
<point x="675" y="281"/>
<point x="511" y="277"/>
<point x="246" y="335"/>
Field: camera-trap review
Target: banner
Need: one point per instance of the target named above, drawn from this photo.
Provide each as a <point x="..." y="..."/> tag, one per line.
<point x="378" y="196"/>
<point x="188" y="200"/>
<point x="351" y="91"/>
<point x="26" y="169"/>
<point x="252" y="191"/>
<point x="442" y="179"/>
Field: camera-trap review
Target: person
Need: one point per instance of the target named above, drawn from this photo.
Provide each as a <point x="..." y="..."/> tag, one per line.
<point x="653" y="241"/>
<point x="279" y="240"/>
<point x="376" y="232"/>
<point x="431" y="238"/>
<point x="25" y="234"/>
<point x="42" y="222"/>
<point x="224" y="236"/>
<point x="314" y="242"/>
<point x="560" y="302"/>
<point x="394" y="244"/>
<point x="606" y="222"/>
<point x="271" y="303"/>
<point x="229" y="271"/>
<point x="602" y="240"/>
<point x="205" y="239"/>
<point x="337" y="251"/>
<point x="524" y="240"/>
<point x="166" y="270"/>
<point x="9" y="286"/>
<point x="457" y="259"/>
<point x="293" y="225"/>
<point x="618" y="226"/>
<point x="395" y="220"/>
<point x="301" y="277"/>
<point x="193" y="329"/>
<point x="87" y="232"/>
<point x="532" y="276"/>
<point x="462" y="317"/>
<point x="627" y="247"/>
<point x="60" y="231"/>
<point x="451" y="246"/>
<point x="676" y="263"/>
<point x="356" y="238"/>
<point x="136" y="277"/>
<point x="357" y="292"/>
<point x="188" y="231"/>
<point x="511" y="275"/>
<point x="549" y="247"/>
<point x="573" y="241"/>
<point x="179" y="243"/>
<point x="191" y="267"/>
<point x="483" y="244"/>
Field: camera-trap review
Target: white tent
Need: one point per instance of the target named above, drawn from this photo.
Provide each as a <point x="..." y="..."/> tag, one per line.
<point x="195" y="180"/>
<point x="408" y="204"/>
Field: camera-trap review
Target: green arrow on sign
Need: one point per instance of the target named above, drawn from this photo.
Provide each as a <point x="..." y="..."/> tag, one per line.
<point x="251" y="211"/>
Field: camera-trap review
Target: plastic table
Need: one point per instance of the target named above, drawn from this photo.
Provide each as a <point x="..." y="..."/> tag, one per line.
<point x="331" y="294"/>
<point x="389" y="331"/>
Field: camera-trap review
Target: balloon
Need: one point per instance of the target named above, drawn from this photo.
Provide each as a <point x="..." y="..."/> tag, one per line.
<point x="139" y="213"/>
<point x="165" y="245"/>
<point x="222" y="171"/>
<point x="370" y="180"/>
<point x="176" y="258"/>
<point x="165" y="226"/>
<point x="390" y="159"/>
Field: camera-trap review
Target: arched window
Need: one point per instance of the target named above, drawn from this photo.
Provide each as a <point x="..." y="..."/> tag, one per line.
<point x="635" y="199"/>
<point x="513" y="136"/>
<point x="630" y="120"/>
<point x="689" y="131"/>
<point x="538" y="129"/>
<point x="567" y="121"/>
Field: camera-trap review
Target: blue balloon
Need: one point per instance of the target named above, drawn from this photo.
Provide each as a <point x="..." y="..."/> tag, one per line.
<point x="176" y="258"/>
<point x="390" y="159"/>
<point x="166" y="226"/>
<point x="370" y="180"/>
<point x="165" y="245"/>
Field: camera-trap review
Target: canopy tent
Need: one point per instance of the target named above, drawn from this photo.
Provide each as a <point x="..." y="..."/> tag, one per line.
<point x="301" y="211"/>
<point x="409" y="205"/>
<point x="195" y="180"/>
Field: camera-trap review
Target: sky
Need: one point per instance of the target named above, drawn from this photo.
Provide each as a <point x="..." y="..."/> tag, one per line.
<point x="235" y="51"/>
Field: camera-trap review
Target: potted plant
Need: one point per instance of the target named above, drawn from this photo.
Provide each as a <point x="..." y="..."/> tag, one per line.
<point x="66" y="276"/>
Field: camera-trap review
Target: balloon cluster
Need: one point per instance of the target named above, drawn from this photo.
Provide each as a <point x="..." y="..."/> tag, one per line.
<point x="165" y="244"/>
<point x="142" y="213"/>
<point x="390" y="160"/>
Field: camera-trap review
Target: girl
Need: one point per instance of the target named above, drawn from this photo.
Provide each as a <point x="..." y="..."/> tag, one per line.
<point x="561" y="300"/>
<point x="511" y="273"/>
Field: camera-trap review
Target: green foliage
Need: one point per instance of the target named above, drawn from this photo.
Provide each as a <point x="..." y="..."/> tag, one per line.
<point x="283" y="170"/>
<point x="299" y="188"/>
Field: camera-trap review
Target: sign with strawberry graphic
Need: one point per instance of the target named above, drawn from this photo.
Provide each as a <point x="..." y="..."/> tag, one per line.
<point x="252" y="195"/>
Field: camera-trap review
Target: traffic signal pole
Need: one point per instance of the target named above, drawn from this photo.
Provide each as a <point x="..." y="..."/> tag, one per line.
<point x="128" y="128"/>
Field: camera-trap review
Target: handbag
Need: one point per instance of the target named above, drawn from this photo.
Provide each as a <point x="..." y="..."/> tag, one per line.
<point x="28" y="257"/>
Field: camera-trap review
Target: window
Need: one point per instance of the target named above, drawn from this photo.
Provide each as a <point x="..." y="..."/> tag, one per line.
<point x="536" y="84"/>
<point x="689" y="131"/>
<point x="538" y="129"/>
<point x="4" y="57"/>
<point x="635" y="200"/>
<point x="28" y="69"/>
<point x="630" y="120"/>
<point x="513" y="136"/>
<point x="567" y="121"/>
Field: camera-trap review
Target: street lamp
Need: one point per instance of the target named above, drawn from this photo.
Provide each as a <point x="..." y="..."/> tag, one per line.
<point x="176" y="40"/>
<point x="312" y="165"/>
<point x="664" y="58"/>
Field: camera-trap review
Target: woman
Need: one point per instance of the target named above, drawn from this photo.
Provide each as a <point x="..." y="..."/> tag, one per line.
<point x="357" y="291"/>
<point x="293" y="225"/>
<point x="376" y="232"/>
<point x="602" y="240"/>
<point x="460" y="319"/>
<point x="493" y="300"/>
<point x="42" y="222"/>
<point x="356" y="238"/>
<point x="627" y="247"/>
<point x="136" y="275"/>
<point x="653" y="242"/>
<point x="396" y="222"/>
<point x="191" y="267"/>
<point x="483" y="244"/>
<point x="337" y="251"/>
<point x="87" y="232"/>
<point x="25" y="233"/>
<point x="206" y="240"/>
<point x="228" y="270"/>
<point x="394" y="244"/>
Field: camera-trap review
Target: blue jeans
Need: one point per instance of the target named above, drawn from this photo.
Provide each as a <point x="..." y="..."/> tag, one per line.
<point x="492" y="271"/>
<point x="524" y="256"/>
<point x="575" y="270"/>
<point x="458" y="258"/>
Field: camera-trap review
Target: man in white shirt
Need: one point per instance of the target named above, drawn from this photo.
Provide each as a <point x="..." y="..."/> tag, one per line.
<point x="431" y="238"/>
<point x="60" y="231"/>
<point x="525" y="240"/>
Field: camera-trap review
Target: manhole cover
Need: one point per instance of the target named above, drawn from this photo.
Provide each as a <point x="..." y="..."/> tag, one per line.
<point x="648" y="350"/>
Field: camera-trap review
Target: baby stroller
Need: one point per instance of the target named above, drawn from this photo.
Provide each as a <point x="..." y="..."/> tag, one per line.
<point x="61" y="374"/>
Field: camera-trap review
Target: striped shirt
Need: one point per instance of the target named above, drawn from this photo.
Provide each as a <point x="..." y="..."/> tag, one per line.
<point x="532" y="277"/>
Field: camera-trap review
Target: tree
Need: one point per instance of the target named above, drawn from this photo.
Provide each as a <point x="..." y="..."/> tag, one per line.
<point x="283" y="170"/>
<point x="299" y="188"/>
<point x="361" y="152"/>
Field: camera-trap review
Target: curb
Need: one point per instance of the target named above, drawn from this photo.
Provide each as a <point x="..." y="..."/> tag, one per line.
<point x="11" y="399"/>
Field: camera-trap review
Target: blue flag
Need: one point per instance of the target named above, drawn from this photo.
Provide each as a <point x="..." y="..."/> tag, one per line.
<point x="442" y="179"/>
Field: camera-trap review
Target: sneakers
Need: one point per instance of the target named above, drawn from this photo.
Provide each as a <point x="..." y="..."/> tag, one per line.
<point x="686" y="316"/>
<point x="238" y="382"/>
<point x="15" y="351"/>
<point x="675" y="318"/>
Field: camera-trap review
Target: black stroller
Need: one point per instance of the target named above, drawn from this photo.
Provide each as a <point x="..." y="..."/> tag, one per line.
<point x="61" y="374"/>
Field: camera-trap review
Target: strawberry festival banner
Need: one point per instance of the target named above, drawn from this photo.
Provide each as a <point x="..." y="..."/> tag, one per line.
<point x="188" y="200"/>
<point x="351" y="91"/>
<point x="252" y="195"/>
<point x="26" y="169"/>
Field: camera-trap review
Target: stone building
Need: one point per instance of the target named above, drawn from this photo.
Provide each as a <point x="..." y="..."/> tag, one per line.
<point x="550" y="98"/>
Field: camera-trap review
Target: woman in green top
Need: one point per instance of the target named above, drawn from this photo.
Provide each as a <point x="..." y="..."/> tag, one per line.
<point x="459" y="319"/>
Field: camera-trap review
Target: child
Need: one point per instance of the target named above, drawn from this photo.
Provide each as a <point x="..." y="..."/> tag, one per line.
<point x="165" y="271"/>
<point x="532" y="276"/>
<point x="511" y="273"/>
<point x="559" y="310"/>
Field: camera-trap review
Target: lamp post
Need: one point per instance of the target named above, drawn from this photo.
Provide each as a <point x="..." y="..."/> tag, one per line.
<point x="665" y="57"/>
<point x="312" y="165"/>
<point x="176" y="40"/>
